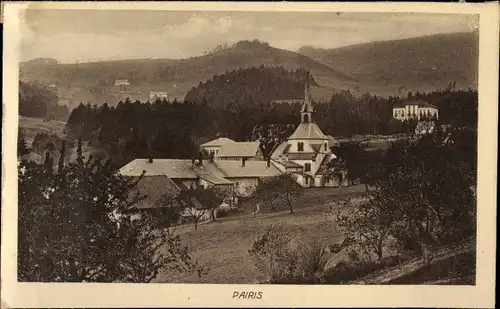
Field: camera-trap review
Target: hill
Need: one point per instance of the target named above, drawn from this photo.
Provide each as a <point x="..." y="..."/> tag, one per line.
<point x="251" y="86"/>
<point x="94" y="82"/>
<point x="425" y="63"/>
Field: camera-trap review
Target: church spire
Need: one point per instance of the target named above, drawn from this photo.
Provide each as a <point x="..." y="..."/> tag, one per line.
<point x="307" y="107"/>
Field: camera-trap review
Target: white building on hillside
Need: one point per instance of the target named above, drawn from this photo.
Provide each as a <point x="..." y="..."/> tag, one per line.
<point x="155" y="95"/>
<point x="121" y="82"/>
<point x="415" y="109"/>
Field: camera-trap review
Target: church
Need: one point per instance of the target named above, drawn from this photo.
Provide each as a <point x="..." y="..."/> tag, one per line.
<point x="307" y="152"/>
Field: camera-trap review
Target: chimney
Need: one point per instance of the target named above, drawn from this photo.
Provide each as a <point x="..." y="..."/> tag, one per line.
<point x="200" y="158"/>
<point x="193" y="161"/>
<point x="150" y="160"/>
<point x="268" y="162"/>
<point x="243" y="161"/>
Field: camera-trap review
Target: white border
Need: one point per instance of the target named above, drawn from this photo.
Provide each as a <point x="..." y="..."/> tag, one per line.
<point x="29" y="295"/>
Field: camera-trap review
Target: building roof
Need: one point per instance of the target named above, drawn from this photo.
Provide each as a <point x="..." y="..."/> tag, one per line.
<point x="316" y="147"/>
<point x="235" y="169"/>
<point x="215" y="179"/>
<point x="420" y="104"/>
<point x="239" y="149"/>
<point x="172" y="168"/>
<point x="218" y="142"/>
<point x="289" y="164"/>
<point x="301" y="156"/>
<point x="307" y="106"/>
<point x="308" y="130"/>
<point x="332" y="141"/>
<point x="323" y="166"/>
<point x="289" y="101"/>
<point x="154" y="188"/>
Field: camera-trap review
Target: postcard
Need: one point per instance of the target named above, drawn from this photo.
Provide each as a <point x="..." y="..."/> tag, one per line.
<point x="249" y="154"/>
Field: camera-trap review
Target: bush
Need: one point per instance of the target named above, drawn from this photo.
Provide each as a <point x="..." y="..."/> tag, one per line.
<point x="228" y="212"/>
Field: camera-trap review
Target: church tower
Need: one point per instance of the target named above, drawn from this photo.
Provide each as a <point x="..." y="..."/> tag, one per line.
<point x="307" y="107"/>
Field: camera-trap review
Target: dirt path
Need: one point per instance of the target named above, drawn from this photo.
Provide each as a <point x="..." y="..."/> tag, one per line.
<point x="393" y="273"/>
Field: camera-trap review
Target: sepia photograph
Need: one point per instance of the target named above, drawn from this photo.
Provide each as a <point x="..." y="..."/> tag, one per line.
<point x="248" y="147"/>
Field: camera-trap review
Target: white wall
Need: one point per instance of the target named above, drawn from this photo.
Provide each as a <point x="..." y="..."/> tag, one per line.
<point x="245" y="186"/>
<point x="212" y="148"/>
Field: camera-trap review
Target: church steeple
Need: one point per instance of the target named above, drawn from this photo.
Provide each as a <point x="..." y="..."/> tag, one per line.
<point x="307" y="107"/>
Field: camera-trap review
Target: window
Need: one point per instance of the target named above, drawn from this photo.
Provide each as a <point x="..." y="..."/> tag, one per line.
<point x="326" y="146"/>
<point x="300" y="146"/>
<point x="307" y="167"/>
<point x="306" y="180"/>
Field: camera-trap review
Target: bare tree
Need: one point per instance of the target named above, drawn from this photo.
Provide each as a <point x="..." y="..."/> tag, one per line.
<point x="280" y="189"/>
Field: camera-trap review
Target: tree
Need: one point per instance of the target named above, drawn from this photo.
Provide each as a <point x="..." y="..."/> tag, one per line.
<point x="188" y="199"/>
<point x="212" y="197"/>
<point x="336" y="168"/>
<point x="427" y="189"/>
<point x="272" y="255"/>
<point x="356" y="158"/>
<point x="279" y="189"/>
<point x="368" y="225"/>
<point x="74" y="227"/>
<point x="22" y="148"/>
<point x="267" y="192"/>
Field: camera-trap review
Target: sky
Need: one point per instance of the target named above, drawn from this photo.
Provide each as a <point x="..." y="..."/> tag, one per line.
<point x="71" y="36"/>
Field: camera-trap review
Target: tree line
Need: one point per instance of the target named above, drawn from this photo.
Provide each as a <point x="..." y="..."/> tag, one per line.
<point x="250" y="86"/>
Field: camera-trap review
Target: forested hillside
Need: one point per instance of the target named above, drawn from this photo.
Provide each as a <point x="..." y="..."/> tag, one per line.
<point x="425" y="63"/>
<point x="252" y="86"/>
<point x="39" y="102"/>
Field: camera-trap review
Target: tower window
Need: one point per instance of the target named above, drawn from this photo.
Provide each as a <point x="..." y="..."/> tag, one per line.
<point x="300" y="146"/>
<point x="306" y="118"/>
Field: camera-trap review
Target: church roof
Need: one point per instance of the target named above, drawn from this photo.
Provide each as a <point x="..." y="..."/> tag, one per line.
<point x="324" y="164"/>
<point x="290" y="164"/>
<point x="307" y="106"/>
<point x="239" y="149"/>
<point x="279" y="150"/>
<point x="308" y="130"/>
<point x="301" y="156"/>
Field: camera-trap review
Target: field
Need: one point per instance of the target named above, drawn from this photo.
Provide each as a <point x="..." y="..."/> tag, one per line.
<point x="32" y="126"/>
<point x="222" y="246"/>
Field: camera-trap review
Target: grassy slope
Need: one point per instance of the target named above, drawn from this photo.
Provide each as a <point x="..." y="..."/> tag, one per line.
<point x="32" y="126"/>
<point x="222" y="246"/>
<point x="423" y="63"/>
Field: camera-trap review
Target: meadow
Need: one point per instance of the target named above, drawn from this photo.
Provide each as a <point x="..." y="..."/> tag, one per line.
<point x="222" y="246"/>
